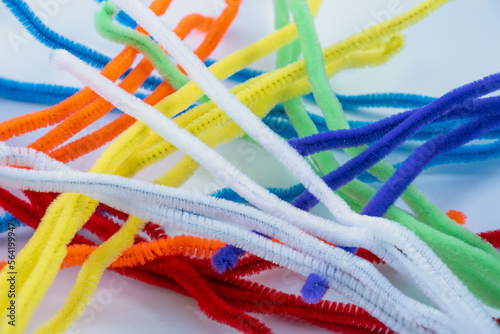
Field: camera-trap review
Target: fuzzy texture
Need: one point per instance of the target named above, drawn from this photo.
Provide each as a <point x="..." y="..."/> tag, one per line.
<point x="123" y="202"/>
<point x="278" y="81"/>
<point x="161" y="125"/>
<point x="463" y="235"/>
<point x="336" y="120"/>
<point x="415" y="163"/>
<point x="9" y="223"/>
<point x="252" y="297"/>
<point x="133" y="80"/>
<point x="91" y="112"/>
<point x="294" y="108"/>
<point x="53" y="94"/>
<point x="43" y="33"/>
<point x="424" y="209"/>
<point x="51" y="39"/>
<point x="374" y="131"/>
<point x="111" y="130"/>
<point x="457" y="216"/>
<point x="333" y="115"/>
<point x="399" y="134"/>
<point x="224" y="317"/>
<point x="123" y="18"/>
<point x="107" y="28"/>
<point x="144" y="252"/>
<point x="81" y="253"/>
<point x="226" y="258"/>
<point x="34" y="259"/>
<point x="278" y="121"/>
<point x="37" y="161"/>
<point x="46" y="117"/>
<point x="132" y="196"/>
<point x="314" y="288"/>
<point x="34" y="93"/>
<point x="492" y="237"/>
<point x="273" y="83"/>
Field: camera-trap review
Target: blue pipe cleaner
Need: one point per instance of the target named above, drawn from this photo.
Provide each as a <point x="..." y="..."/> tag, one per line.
<point x="314" y="288"/>
<point x="48" y="37"/>
<point x="413" y="165"/>
<point x="53" y="40"/>
<point x="226" y="258"/>
<point x="8" y="221"/>
<point x="376" y="130"/>
<point x="37" y="92"/>
<point x="34" y="93"/>
<point x="464" y="96"/>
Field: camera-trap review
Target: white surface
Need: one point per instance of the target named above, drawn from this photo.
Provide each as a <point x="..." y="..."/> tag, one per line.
<point x="453" y="46"/>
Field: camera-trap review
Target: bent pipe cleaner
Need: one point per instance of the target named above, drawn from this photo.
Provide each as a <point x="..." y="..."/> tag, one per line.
<point x="45" y="183"/>
<point x="151" y="208"/>
<point x="121" y="100"/>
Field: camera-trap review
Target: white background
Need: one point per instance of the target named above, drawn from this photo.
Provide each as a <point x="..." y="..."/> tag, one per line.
<point x="453" y="46"/>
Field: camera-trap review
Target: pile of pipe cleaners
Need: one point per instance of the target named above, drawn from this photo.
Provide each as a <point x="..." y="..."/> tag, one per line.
<point x="102" y="175"/>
